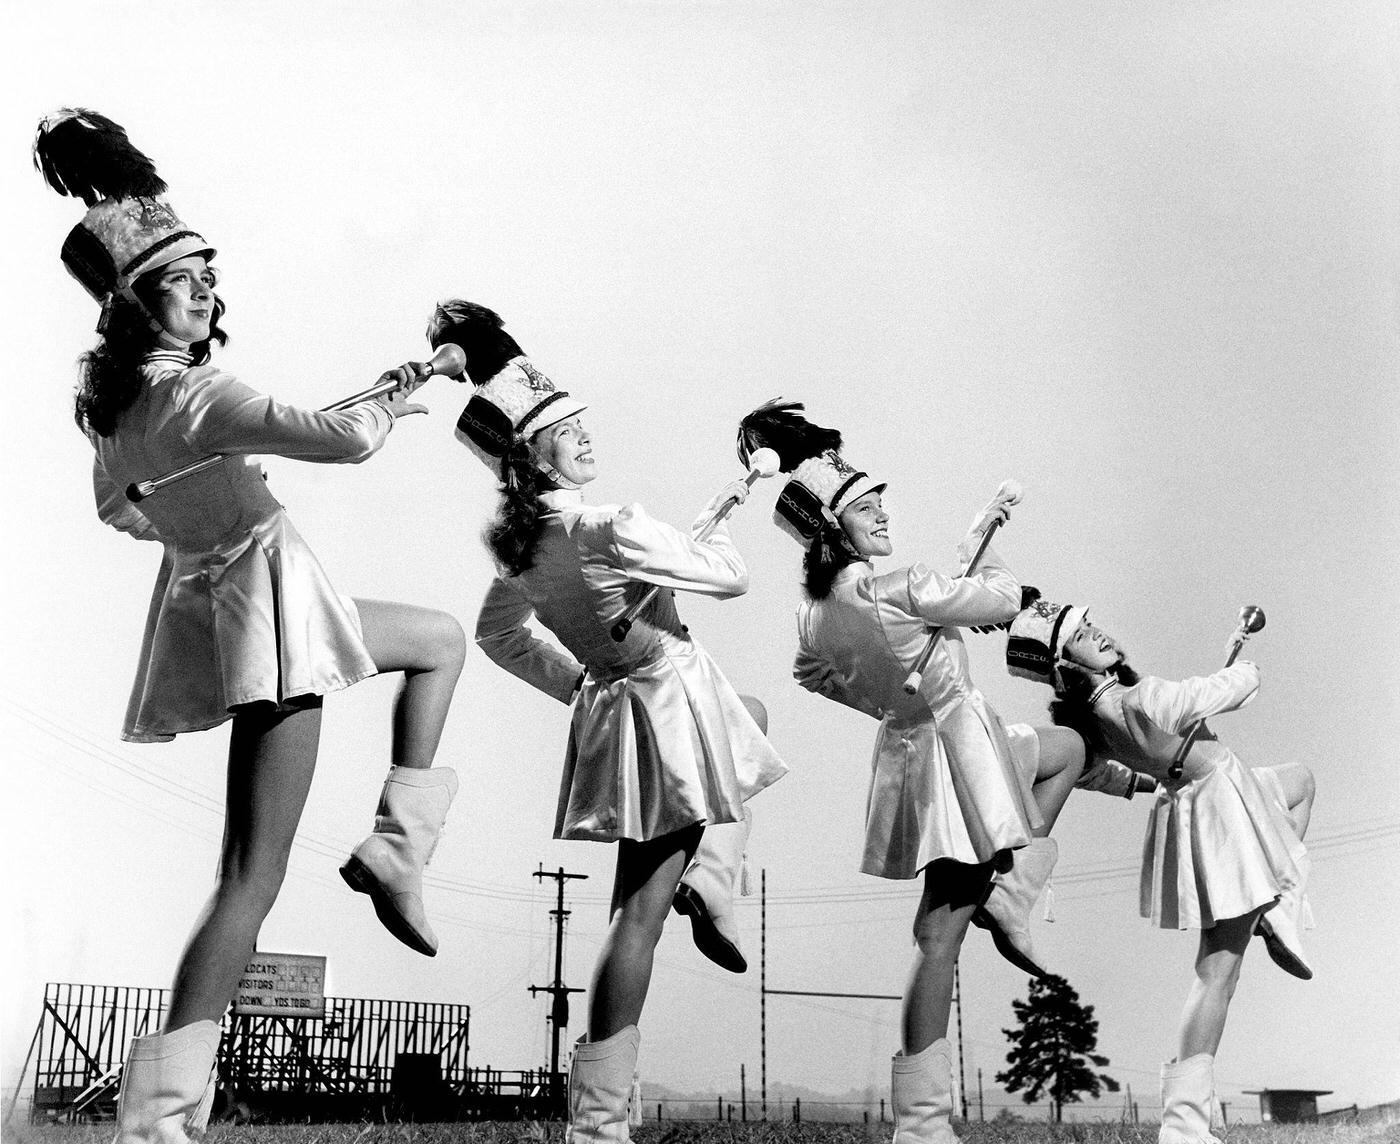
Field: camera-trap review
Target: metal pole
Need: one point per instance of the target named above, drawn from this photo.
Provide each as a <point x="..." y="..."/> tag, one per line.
<point x="981" y="1108"/>
<point x="957" y="1000"/>
<point x="743" y="1097"/>
<point x="763" y="989"/>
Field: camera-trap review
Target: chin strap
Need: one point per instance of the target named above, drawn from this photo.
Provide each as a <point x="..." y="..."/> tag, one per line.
<point x="556" y="477"/>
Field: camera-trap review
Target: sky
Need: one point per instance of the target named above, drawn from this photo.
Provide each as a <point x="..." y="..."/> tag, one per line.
<point x="1142" y="258"/>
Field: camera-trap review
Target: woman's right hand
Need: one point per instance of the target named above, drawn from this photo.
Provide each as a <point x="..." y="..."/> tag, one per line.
<point x="736" y="491"/>
<point x="409" y="377"/>
<point x="998" y="511"/>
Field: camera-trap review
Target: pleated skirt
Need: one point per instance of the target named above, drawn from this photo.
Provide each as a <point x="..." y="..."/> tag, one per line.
<point x="665" y="746"/>
<point x="1217" y="848"/>
<point x="254" y="621"/>
<point x="949" y="787"/>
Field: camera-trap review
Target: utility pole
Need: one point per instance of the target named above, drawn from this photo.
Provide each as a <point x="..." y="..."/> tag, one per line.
<point x="558" y="1017"/>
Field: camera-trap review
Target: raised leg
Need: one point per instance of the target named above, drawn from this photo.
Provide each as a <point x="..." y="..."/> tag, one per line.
<point x="706" y="891"/>
<point x="1060" y="765"/>
<point x="429" y="647"/>
<point x="1299" y="790"/>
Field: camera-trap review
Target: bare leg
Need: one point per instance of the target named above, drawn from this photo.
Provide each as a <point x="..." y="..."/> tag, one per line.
<point x="1217" y="973"/>
<point x="1061" y="764"/>
<point x="429" y="647"/>
<point x="647" y="875"/>
<point x="951" y="893"/>
<point x="1299" y="789"/>
<point x="271" y="758"/>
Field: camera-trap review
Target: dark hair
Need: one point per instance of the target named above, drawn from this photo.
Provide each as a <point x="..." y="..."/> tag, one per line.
<point x="1070" y="707"/>
<point x="109" y="374"/>
<point x="480" y="334"/>
<point x="515" y="532"/>
<point x="829" y="552"/>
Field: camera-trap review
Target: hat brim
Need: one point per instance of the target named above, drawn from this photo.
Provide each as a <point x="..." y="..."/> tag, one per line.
<point x="857" y="489"/>
<point x="182" y="247"/>
<point x="552" y="414"/>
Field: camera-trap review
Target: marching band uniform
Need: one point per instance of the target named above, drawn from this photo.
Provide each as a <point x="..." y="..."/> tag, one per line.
<point x="944" y="783"/>
<point x="497" y="364"/>
<point x="658" y="741"/>
<point x="242" y="612"/>
<point x="1219" y="843"/>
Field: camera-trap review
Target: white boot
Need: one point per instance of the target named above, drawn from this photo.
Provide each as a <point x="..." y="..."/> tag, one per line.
<point x="388" y="865"/>
<point x="706" y="892"/>
<point x="1281" y="930"/>
<point x="1007" y="911"/>
<point x="168" y="1085"/>
<point x="921" y="1090"/>
<point x="1186" y="1099"/>
<point x="600" y="1087"/>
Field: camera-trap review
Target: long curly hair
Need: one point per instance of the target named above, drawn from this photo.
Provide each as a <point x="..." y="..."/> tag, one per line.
<point x="829" y="552"/>
<point x="1070" y="707"/>
<point x="514" y="533"/>
<point x="109" y="377"/>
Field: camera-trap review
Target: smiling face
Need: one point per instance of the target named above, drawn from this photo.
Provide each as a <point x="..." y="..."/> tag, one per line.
<point x="867" y="525"/>
<point x="181" y="298"/>
<point x="1092" y="648"/>
<point x="567" y="448"/>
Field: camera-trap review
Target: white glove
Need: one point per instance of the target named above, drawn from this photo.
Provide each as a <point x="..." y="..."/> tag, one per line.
<point x="998" y="510"/>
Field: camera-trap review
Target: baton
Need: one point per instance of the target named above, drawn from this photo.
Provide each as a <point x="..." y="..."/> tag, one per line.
<point x="915" y="678"/>
<point x="449" y="359"/>
<point x="765" y="464"/>
<point x="1251" y="621"/>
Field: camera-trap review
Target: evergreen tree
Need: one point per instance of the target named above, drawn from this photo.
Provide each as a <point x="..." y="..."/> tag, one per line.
<point x="1053" y="1049"/>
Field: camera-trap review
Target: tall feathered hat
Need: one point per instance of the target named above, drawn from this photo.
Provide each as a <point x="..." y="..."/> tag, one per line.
<point x="823" y="482"/>
<point x="129" y="229"/>
<point x="513" y="398"/>
<point x="1037" y="639"/>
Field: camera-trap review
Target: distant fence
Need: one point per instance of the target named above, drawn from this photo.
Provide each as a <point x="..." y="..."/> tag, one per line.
<point x="366" y="1058"/>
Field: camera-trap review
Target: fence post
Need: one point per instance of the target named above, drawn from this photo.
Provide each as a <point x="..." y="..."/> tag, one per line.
<point x="797" y="1110"/>
<point x="882" y="1110"/>
<point x="658" y="1112"/>
<point x="719" y="1108"/>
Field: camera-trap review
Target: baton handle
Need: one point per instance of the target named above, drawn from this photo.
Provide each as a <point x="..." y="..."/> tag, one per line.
<point x="915" y="679"/>
<point x="629" y="617"/>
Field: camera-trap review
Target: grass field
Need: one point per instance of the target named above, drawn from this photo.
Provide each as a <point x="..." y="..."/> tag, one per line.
<point x="675" y="1132"/>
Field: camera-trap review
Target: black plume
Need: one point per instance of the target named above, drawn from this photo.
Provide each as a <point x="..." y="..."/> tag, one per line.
<point x="86" y="155"/>
<point x="780" y="426"/>
<point x="479" y="332"/>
